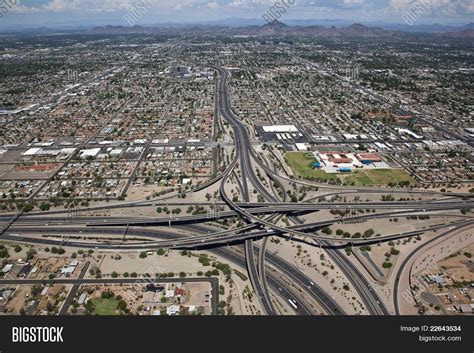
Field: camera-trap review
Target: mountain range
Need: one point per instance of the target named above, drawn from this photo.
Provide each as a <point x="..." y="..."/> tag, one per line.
<point x="332" y="27"/>
<point x="277" y="28"/>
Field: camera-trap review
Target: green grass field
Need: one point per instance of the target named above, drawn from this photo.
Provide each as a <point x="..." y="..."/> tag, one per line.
<point x="358" y="178"/>
<point x="301" y="164"/>
<point x="386" y="176"/>
<point x="105" y="306"/>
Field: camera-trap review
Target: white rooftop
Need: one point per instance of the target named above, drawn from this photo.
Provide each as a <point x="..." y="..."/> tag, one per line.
<point x="7" y="268"/>
<point x="90" y="152"/>
<point x="280" y="128"/>
<point x="32" y="151"/>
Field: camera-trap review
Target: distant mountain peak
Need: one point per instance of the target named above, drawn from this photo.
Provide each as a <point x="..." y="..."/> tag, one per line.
<point x="358" y="26"/>
<point x="275" y="24"/>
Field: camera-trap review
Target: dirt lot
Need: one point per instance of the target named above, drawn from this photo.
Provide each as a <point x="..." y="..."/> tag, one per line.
<point x="17" y="302"/>
<point x="460" y="268"/>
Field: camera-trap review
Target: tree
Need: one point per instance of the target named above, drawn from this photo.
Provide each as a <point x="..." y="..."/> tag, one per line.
<point x="90" y="307"/>
<point x="161" y="252"/>
<point x="17" y="248"/>
<point x="204" y="260"/>
<point x="28" y="207"/>
<point x="107" y="295"/>
<point x="37" y="289"/>
<point x="327" y="231"/>
<point x="143" y="255"/>
<point x="182" y="274"/>
<point x="30" y="254"/>
<point x="114" y="274"/>
<point x="368" y="233"/>
<point x="122" y="305"/>
<point x="45" y="206"/>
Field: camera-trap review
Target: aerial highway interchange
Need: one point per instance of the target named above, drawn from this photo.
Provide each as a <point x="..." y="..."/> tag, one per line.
<point x="283" y="177"/>
<point x="261" y="219"/>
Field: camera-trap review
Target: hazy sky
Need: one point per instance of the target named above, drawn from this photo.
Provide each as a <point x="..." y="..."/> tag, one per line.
<point x="94" y="12"/>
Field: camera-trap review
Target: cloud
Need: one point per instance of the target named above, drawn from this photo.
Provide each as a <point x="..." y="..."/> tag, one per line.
<point x="436" y="7"/>
<point x="355" y="10"/>
<point x="57" y="6"/>
<point x="213" y="5"/>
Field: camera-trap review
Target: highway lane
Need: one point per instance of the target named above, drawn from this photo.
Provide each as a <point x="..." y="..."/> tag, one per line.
<point x="279" y="287"/>
<point x="165" y="200"/>
<point x="332" y="307"/>
<point x="323" y="299"/>
<point x="367" y="292"/>
<point x="263" y="296"/>
<point x="247" y="228"/>
<point x="298" y="277"/>
<point x="146" y="246"/>
<point x="341" y="242"/>
<point x="261" y="268"/>
<point x="262" y="250"/>
<point x="240" y="137"/>
<point x="273" y="281"/>
<point x="255" y="209"/>
<point x="234" y="235"/>
<point x="290" y="208"/>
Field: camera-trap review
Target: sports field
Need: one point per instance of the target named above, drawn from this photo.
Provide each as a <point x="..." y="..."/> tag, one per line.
<point x="301" y="164"/>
